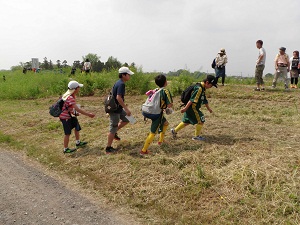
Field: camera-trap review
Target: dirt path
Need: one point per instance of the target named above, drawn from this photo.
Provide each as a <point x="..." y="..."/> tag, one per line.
<point x="29" y="196"/>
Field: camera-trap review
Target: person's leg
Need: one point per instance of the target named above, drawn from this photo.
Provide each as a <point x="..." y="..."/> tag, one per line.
<point x="148" y="141"/>
<point x="114" y="120"/>
<point x="66" y="140"/>
<point x="257" y="77"/>
<point x="223" y="76"/>
<point x="296" y="81"/>
<point x="285" y="77"/>
<point x="292" y="80"/>
<point x="180" y="126"/>
<point x="276" y="74"/>
<point x="163" y="131"/>
<point x="198" y="128"/>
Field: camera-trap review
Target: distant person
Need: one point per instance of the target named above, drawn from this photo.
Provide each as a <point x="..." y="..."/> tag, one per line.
<point x="68" y="117"/>
<point x="282" y="65"/>
<point x="24" y="70"/>
<point x="159" y="122"/>
<point x="294" y="70"/>
<point x="221" y="61"/>
<point x="192" y="113"/>
<point x="118" y="118"/>
<point x="87" y="66"/>
<point x="260" y="66"/>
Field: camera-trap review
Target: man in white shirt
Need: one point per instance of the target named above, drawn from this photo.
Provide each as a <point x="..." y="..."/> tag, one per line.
<point x="282" y="67"/>
<point x="260" y="66"/>
<point x="221" y="61"/>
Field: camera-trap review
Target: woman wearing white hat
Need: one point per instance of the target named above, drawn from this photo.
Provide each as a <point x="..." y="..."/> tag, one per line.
<point x="221" y="61"/>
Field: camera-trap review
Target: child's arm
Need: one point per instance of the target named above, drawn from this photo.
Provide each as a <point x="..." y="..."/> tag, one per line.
<point x="83" y="112"/>
<point x="186" y="107"/>
<point x="208" y="108"/>
<point x="121" y="103"/>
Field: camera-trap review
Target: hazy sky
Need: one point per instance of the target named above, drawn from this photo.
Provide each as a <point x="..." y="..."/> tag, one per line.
<point x="159" y="35"/>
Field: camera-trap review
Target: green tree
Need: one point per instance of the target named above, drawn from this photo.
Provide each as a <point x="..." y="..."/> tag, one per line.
<point x="50" y="65"/>
<point x="112" y="63"/>
<point x="58" y="63"/>
<point x="65" y="63"/>
<point x="45" y="64"/>
<point x="92" y="57"/>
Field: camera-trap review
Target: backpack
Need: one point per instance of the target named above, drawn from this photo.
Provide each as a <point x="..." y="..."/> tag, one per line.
<point x="56" y="109"/>
<point x="187" y="93"/>
<point x="213" y="65"/>
<point x="110" y="104"/>
<point x="153" y="105"/>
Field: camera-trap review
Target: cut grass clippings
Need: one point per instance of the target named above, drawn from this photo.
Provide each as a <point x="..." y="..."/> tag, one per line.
<point x="246" y="172"/>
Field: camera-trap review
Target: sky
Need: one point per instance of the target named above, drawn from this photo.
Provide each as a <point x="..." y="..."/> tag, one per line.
<point x="157" y="35"/>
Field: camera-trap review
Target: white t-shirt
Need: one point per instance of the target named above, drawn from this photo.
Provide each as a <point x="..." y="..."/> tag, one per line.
<point x="262" y="51"/>
<point x="87" y="65"/>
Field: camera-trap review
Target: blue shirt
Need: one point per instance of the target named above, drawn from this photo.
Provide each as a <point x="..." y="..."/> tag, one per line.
<point x="119" y="89"/>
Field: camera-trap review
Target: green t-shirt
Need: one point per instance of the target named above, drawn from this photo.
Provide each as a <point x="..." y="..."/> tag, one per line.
<point x="198" y="96"/>
<point x="165" y="98"/>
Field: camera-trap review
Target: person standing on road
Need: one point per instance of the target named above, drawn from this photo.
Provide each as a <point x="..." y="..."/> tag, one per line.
<point x="221" y="61"/>
<point x="118" y="118"/>
<point x="260" y="66"/>
<point x="294" y="70"/>
<point x="282" y="65"/>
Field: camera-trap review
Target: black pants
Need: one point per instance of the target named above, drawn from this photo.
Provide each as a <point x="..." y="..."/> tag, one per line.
<point x="223" y="79"/>
<point x="294" y="79"/>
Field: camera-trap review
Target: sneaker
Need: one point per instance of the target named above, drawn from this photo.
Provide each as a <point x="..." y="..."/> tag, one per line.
<point x="256" y="89"/>
<point x="295" y="86"/>
<point x="262" y="89"/>
<point x="110" y="150"/>
<point x="116" y="137"/>
<point x="81" y="144"/>
<point x="142" y="153"/>
<point x="198" y="138"/>
<point x="69" y="150"/>
<point x="174" y="134"/>
<point x="291" y="86"/>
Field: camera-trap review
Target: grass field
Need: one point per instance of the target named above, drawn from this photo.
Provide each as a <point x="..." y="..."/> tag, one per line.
<point x="246" y="172"/>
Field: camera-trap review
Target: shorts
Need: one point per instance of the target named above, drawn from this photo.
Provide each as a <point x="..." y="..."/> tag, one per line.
<point x="193" y="117"/>
<point x="69" y="124"/>
<point x="114" y="119"/>
<point x="87" y="71"/>
<point x="158" y="121"/>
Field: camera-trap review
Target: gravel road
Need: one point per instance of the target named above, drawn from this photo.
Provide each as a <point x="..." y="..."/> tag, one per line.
<point x="29" y="196"/>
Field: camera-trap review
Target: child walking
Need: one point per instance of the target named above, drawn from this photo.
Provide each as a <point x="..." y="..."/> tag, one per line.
<point x="69" y="122"/>
<point x="192" y="114"/>
<point x="159" y="123"/>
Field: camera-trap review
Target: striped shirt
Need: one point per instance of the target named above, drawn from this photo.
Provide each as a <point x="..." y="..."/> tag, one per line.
<point x="165" y="98"/>
<point x="68" y="107"/>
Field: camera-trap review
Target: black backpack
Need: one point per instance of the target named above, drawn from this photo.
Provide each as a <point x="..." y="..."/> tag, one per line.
<point x="213" y="65"/>
<point x="56" y="109"/>
<point x="187" y="93"/>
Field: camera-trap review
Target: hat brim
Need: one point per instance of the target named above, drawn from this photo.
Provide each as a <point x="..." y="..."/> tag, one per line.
<point x="130" y="72"/>
<point x="80" y="85"/>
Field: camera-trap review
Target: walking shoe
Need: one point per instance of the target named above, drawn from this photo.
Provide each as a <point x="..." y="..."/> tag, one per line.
<point x="69" y="150"/>
<point x="291" y="86"/>
<point x="295" y="86"/>
<point x="116" y="137"/>
<point x="256" y="89"/>
<point x="142" y="153"/>
<point x="198" y="138"/>
<point x="81" y="144"/>
<point x="263" y="89"/>
<point x="174" y="134"/>
<point x="110" y="150"/>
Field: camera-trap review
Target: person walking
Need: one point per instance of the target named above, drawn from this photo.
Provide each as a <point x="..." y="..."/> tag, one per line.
<point x="69" y="114"/>
<point x="260" y="66"/>
<point x="221" y="61"/>
<point x="118" y="118"/>
<point x="87" y="66"/>
<point x="282" y="65"/>
<point x="294" y="70"/>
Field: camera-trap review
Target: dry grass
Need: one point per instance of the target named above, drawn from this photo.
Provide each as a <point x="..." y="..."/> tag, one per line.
<point x="246" y="172"/>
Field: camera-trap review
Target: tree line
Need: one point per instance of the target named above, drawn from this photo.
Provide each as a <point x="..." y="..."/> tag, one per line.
<point x="97" y="64"/>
